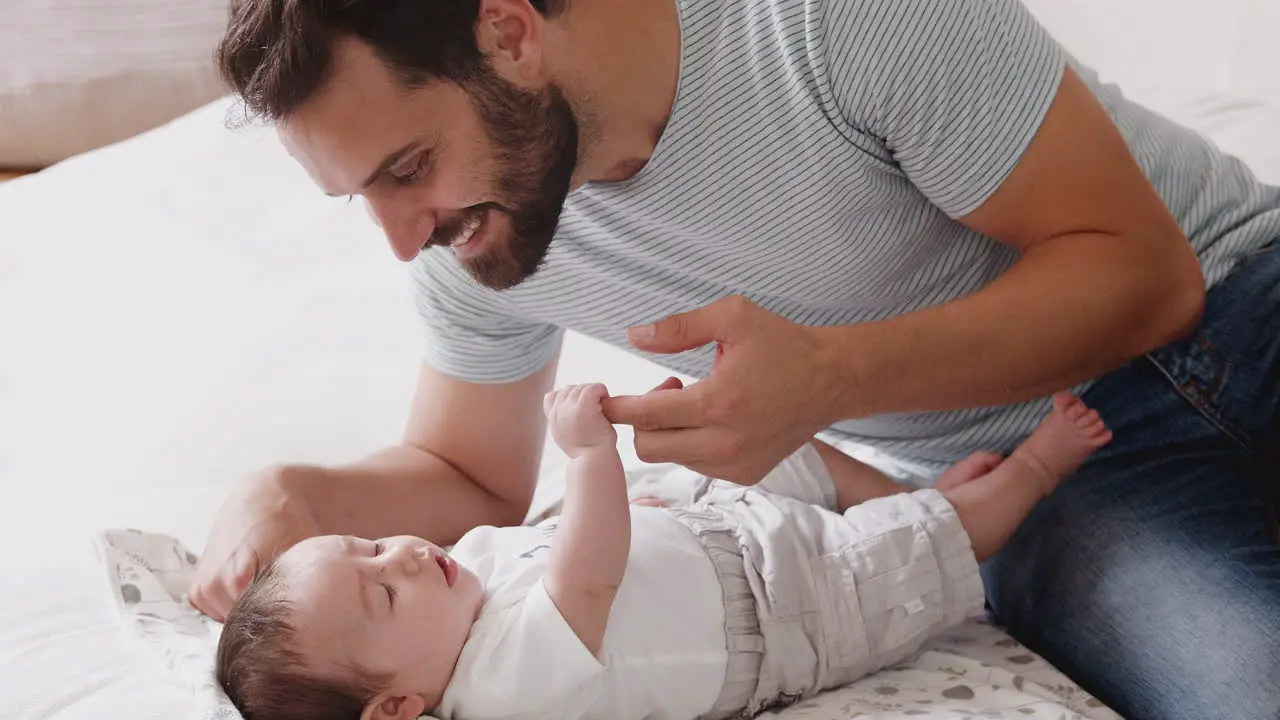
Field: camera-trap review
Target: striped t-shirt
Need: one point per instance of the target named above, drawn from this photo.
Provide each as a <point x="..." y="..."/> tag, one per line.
<point x="815" y="160"/>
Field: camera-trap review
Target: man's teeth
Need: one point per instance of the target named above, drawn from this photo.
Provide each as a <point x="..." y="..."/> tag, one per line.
<point x="468" y="230"/>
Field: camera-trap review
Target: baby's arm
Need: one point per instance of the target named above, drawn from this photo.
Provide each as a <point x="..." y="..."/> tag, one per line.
<point x="593" y="540"/>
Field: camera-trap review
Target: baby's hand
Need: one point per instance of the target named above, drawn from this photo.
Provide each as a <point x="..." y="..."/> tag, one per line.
<point x="577" y="422"/>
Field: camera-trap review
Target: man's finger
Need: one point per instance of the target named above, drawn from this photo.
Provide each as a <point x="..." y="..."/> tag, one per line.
<point x="213" y="601"/>
<point x="658" y="409"/>
<point x="671" y="383"/>
<point x="606" y="403"/>
<point x="682" y="447"/>
<point x="244" y="561"/>
<point x="195" y="598"/>
<point x="688" y="330"/>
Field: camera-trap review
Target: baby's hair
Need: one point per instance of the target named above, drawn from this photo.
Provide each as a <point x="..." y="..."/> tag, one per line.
<point x="260" y="669"/>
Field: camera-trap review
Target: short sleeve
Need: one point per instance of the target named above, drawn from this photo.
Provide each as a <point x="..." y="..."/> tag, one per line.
<point x="471" y="332"/>
<point x="523" y="661"/>
<point x="955" y="89"/>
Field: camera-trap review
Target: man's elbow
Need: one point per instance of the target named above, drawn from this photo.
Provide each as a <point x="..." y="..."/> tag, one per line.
<point x="1180" y="302"/>
<point x="1190" y="302"/>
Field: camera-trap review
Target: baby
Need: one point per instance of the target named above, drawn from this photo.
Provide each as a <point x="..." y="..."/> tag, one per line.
<point x="749" y="599"/>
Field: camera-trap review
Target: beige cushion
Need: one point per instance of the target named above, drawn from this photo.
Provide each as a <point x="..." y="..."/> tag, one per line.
<point x="79" y="74"/>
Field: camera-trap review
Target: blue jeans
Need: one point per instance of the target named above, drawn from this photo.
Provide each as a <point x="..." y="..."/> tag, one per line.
<point x="1152" y="577"/>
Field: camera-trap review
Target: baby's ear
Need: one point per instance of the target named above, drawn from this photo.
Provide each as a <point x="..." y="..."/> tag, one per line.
<point x="394" y="707"/>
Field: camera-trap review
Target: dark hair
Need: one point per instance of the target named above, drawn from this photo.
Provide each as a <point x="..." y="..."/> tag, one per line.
<point x="260" y="669"/>
<point x="276" y="54"/>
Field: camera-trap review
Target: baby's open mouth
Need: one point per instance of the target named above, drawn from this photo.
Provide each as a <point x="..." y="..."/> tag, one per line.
<point x="447" y="566"/>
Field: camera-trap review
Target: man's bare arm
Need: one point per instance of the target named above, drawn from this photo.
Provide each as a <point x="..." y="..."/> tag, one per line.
<point x="1105" y="275"/>
<point x="469" y="457"/>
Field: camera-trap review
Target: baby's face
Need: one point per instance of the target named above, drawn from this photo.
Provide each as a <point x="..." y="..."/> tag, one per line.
<point x="399" y="606"/>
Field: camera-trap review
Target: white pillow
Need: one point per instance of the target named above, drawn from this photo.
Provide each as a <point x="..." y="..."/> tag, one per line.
<point x="79" y="74"/>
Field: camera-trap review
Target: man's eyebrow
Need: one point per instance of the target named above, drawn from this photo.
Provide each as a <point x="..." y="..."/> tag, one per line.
<point x="387" y="163"/>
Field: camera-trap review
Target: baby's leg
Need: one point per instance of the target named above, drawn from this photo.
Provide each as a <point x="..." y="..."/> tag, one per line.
<point x="802" y="476"/>
<point x="855" y="482"/>
<point x="993" y="505"/>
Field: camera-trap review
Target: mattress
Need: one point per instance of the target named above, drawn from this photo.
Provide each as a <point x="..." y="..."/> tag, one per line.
<point x="183" y="308"/>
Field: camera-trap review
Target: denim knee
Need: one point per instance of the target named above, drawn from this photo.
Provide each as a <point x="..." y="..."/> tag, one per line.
<point x="1165" y="612"/>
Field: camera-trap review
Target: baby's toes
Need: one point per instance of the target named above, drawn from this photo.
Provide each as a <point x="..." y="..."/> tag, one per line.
<point x="1069" y="405"/>
<point x="1088" y="418"/>
<point x="1077" y="411"/>
<point x="1099" y="429"/>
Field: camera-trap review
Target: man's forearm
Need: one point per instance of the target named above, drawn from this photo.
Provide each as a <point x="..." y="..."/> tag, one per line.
<point x="402" y="490"/>
<point x="1073" y="308"/>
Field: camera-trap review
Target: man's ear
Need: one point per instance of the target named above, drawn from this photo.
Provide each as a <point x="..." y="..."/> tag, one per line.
<point x="510" y="34"/>
<point x="394" y="707"/>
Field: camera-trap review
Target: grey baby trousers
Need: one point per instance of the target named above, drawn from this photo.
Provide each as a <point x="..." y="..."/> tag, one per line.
<point x="815" y="599"/>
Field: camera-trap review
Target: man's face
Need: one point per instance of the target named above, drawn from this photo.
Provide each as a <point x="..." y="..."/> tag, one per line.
<point x="484" y="171"/>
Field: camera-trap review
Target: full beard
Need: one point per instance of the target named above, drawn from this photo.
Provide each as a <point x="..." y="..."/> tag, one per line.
<point x="535" y="139"/>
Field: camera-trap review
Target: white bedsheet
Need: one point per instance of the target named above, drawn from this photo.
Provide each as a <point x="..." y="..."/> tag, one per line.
<point x="181" y="309"/>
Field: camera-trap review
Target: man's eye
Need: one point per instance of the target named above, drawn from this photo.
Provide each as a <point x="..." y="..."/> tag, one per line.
<point x="411" y="175"/>
<point x="377" y="548"/>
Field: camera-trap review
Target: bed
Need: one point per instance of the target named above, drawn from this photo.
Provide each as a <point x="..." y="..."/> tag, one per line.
<point x="182" y="308"/>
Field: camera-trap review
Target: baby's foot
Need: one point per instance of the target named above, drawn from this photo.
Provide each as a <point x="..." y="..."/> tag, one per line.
<point x="1063" y="441"/>
<point x="970" y="468"/>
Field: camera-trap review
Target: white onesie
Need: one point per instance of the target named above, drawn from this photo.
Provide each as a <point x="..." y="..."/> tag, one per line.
<point x="664" y="651"/>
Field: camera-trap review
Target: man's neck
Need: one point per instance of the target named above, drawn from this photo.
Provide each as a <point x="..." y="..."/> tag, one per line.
<point x="622" y="63"/>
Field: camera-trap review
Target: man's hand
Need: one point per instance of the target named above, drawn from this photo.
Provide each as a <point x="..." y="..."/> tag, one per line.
<point x="767" y="393"/>
<point x="259" y="521"/>
<point x="576" y="420"/>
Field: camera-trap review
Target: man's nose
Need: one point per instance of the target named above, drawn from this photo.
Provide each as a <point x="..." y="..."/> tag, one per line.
<point x="407" y="230"/>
